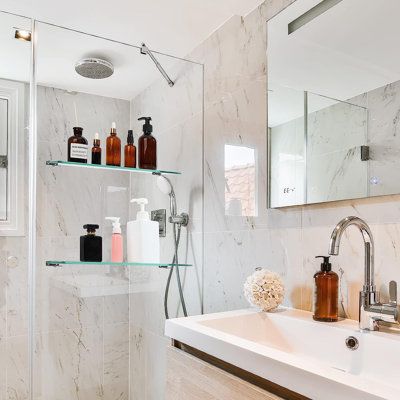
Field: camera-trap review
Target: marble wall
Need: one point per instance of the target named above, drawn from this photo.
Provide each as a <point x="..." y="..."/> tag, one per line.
<point x="82" y="335"/>
<point x="177" y="114"/>
<point x="284" y="240"/>
<point x="13" y="301"/>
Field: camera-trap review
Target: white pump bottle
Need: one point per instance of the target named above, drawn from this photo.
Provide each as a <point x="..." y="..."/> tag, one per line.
<point x="143" y="241"/>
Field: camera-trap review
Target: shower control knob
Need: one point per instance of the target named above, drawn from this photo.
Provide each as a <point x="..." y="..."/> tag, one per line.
<point x="182" y="219"/>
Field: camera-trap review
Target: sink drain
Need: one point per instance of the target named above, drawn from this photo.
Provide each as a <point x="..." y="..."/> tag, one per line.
<point x="352" y="343"/>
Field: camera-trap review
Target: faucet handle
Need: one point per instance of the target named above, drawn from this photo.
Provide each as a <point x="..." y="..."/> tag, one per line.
<point x="393" y="292"/>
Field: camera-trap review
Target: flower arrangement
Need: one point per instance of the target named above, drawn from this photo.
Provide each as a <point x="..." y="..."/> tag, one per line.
<point x="264" y="289"/>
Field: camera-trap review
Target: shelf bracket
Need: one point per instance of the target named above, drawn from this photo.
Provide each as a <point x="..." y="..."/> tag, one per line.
<point x="50" y="264"/>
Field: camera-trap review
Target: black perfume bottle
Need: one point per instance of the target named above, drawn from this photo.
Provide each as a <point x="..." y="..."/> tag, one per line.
<point x="91" y="245"/>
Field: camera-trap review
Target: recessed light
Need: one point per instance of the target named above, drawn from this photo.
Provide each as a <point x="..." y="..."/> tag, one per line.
<point x="311" y="14"/>
<point x="23" y="34"/>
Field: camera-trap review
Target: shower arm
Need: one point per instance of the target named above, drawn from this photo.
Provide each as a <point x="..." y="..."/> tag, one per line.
<point x="145" y="50"/>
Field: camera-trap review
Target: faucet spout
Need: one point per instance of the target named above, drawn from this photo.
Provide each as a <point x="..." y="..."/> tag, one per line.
<point x="334" y="244"/>
<point x="371" y="310"/>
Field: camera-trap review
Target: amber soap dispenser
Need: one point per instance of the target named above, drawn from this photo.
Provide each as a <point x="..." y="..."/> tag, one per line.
<point x="147" y="146"/>
<point x="326" y="293"/>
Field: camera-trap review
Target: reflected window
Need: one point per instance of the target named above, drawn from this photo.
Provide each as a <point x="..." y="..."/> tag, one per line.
<point x="240" y="181"/>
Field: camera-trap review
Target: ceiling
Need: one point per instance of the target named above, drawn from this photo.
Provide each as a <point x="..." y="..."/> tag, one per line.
<point x="346" y="51"/>
<point x="169" y="26"/>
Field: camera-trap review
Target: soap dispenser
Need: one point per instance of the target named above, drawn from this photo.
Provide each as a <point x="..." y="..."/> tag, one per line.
<point x="143" y="241"/>
<point x="117" y="247"/>
<point x="326" y="293"/>
<point x="147" y="146"/>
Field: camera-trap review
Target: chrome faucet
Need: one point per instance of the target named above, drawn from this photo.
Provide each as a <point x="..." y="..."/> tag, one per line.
<point x="371" y="311"/>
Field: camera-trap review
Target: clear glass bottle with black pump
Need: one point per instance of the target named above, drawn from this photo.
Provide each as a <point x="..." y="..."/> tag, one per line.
<point x="77" y="146"/>
<point x="147" y="146"/>
<point x="326" y="293"/>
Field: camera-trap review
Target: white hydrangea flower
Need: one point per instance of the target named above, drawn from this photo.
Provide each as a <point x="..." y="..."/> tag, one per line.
<point x="264" y="289"/>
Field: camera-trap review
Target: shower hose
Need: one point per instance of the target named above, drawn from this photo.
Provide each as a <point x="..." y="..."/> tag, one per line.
<point x="177" y="238"/>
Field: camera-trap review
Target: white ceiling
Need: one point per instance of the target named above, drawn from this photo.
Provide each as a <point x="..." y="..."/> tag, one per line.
<point x="348" y="50"/>
<point x="170" y="26"/>
<point x="173" y="27"/>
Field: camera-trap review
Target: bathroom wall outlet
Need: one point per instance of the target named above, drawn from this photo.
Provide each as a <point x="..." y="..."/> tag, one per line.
<point x="161" y="217"/>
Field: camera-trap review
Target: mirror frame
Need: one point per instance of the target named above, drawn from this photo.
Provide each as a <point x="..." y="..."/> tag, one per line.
<point x="14" y="93"/>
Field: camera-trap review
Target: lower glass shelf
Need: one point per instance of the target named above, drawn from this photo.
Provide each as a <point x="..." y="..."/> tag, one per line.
<point x="57" y="263"/>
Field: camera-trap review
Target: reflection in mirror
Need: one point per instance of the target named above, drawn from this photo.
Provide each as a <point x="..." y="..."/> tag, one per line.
<point x="287" y="146"/>
<point x="240" y="181"/>
<point x="14" y="93"/>
<point x="336" y="134"/>
<point x="333" y="101"/>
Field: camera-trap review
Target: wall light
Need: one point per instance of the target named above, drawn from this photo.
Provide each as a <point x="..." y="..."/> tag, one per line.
<point x="23" y="34"/>
<point x="311" y="14"/>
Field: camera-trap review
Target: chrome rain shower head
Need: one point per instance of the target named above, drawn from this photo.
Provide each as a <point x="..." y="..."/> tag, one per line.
<point x="94" y="68"/>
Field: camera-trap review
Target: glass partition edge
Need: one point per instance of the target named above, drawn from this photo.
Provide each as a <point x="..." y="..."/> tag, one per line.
<point x="32" y="173"/>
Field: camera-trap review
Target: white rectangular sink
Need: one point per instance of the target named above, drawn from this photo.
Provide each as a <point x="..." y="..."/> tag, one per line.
<point x="289" y="348"/>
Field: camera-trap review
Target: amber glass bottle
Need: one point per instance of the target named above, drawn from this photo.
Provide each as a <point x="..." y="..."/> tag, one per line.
<point x="96" y="150"/>
<point x="77" y="146"/>
<point x="147" y="146"/>
<point x="113" y="147"/>
<point x="326" y="293"/>
<point x="130" y="151"/>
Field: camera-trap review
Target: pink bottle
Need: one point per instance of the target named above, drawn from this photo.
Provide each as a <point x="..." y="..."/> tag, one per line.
<point x="117" y="247"/>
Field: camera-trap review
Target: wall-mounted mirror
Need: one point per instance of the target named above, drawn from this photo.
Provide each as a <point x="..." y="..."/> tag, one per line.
<point x="333" y="101"/>
<point x="15" y="58"/>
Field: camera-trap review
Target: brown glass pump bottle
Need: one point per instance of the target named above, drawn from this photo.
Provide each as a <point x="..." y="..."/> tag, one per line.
<point x="113" y="147"/>
<point x="130" y="151"/>
<point x="326" y="293"/>
<point x="147" y="146"/>
<point x="77" y="146"/>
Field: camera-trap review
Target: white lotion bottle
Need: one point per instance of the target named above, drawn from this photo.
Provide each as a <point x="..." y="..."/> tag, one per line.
<point x="143" y="241"/>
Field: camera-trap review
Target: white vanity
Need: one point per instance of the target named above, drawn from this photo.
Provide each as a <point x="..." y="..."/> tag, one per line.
<point x="284" y="354"/>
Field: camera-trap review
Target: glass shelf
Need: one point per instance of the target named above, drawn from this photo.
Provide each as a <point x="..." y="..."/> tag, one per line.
<point x="57" y="263"/>
<point x="59" y="163"/>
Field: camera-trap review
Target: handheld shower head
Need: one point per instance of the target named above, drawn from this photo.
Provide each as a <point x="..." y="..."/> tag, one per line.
<point x="165" y="185"/>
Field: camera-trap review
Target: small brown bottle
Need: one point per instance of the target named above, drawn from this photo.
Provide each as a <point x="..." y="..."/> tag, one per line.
<point x="77" y="146"/>
<point x="113" y="147"/>
<point x="130" y="151"/>
<point x="147" y="146"/>
<point x="96" y="150"/>
<point x="326" y="293"/>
